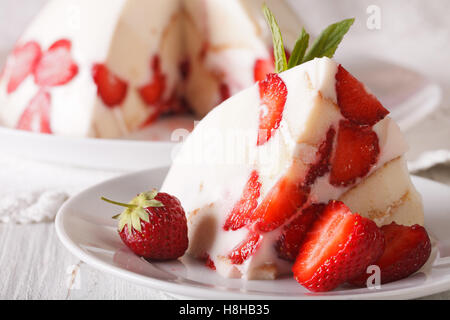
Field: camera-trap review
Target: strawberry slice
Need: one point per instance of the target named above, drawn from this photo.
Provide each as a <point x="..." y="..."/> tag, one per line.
<point x="36" y="116"/>
<point x="244" y="208"/>
<point x="22" y="64"/>
<point x="152" y="92"/>
<point x="356" y="152"/>
<point x="273" y="94"/>
<point x="56" y="66"/>
<point x="293" y="234"/>
<point x="322" y="165"/>
<point x="281" y="203"/>
<point x="111" y="89"/>
<point x="339" y="246"/>
<point x="262" y="68"/>
<point x="245" y="249"/>
<point x="407" y="250"/>
<point x="355" y="102"/>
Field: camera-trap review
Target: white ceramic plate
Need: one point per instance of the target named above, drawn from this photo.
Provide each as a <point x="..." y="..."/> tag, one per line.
<point x="150" y="148"/>
<point x="85" y="227"/>
<point x="413" y="98"/>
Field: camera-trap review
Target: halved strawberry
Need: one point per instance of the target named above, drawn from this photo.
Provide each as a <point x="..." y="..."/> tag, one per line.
<point x="262" y="68"/>
<point x="407" y="250"/>
<point x="338" y="246"/>
<point x="281" y="203"/>
<point x="322" y="165"/>
<point x="111" y="89"/>
<point x="293" y="234"/>
<point x="355" y="102"/>
<point x="245" y="249"/>
<point x="152" y="92"/>
<point x="356" y="152"/>
<point x="244" y="208"/>
<point x="22" y="63"/>
<point x="36" y="116"/>
<point x="273" y="94"/>
<point x="56" y="67"/>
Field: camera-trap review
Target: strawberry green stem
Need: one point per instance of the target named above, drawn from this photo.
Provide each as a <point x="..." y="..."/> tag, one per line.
<point x="126" y="205"/>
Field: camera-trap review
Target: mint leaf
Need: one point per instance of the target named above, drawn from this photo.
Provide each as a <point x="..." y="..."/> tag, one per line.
<point x="299" y="50"/>
<point x="278" y="47"/>
<point x="326" y="44"/>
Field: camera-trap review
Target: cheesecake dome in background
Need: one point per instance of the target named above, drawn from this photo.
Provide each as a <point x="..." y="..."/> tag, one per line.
<point x="107" y="68"/>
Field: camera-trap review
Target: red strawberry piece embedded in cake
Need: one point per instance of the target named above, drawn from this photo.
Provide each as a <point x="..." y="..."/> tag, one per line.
<point x="407" y="250"/>
<point x="338" y="246"/>
<point x="22" y="63"/>
<point x="111" y="89"/>
<point x="244" y="208"/>
<point x="36" y="116"/>
<point x="273" y="95"/>
<point x="356" y="152"/>
<point x="262" y="68"/>
<point x="152" y="92"/>
<point x="294" y="233"/>
<point x="245" y="249"/>
<point x="355" y="102"/>
<point x="56" y="67"/>
<point x="281" y="203"/>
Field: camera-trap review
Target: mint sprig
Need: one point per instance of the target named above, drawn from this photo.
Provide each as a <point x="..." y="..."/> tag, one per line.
<point x="328" y="41"/>
<point x="278" y="46"/>
<point x="299" y="50"/>
<point x="324" y="46"/>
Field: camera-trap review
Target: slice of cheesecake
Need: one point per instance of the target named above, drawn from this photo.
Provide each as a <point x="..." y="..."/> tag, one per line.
<point x="106" y="68"/>
<point x="291" y="142"/>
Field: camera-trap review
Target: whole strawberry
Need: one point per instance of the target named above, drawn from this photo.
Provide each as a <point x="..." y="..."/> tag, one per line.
<point x="153" y="226"/>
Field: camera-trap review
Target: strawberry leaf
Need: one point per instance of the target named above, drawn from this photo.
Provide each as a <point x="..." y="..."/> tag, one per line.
<point x="278" y="46"/>
<point x="299" y="50"/>
<point x="328" y="41"/>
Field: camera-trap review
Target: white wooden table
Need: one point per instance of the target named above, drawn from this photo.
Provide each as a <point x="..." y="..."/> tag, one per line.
<point x="35" y="265"/>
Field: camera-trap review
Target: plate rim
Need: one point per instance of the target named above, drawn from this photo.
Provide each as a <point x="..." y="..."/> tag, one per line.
<point x="199" y="292"/>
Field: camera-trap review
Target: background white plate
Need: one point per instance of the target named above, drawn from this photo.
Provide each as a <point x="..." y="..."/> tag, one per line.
<point x="85" y="227"/>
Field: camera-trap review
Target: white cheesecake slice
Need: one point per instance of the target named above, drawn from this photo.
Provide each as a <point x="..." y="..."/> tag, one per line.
<point x="241" y="186"/>
<point x="106" y="68"/>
